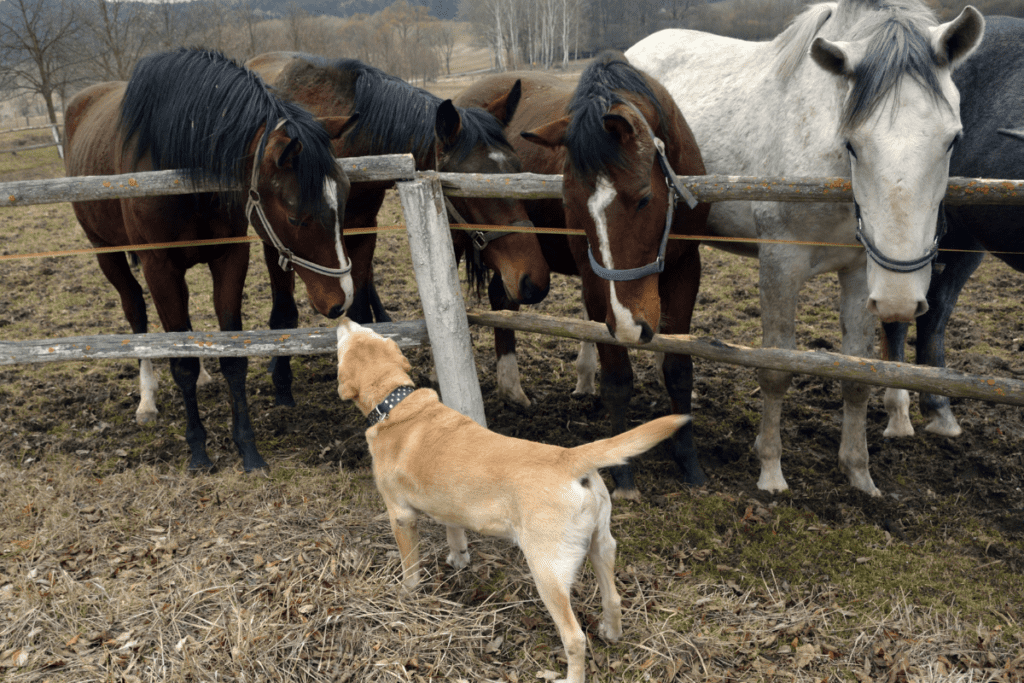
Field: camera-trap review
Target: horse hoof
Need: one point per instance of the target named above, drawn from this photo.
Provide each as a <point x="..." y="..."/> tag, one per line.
<point x="146" y="417"/>
<point x="202" y="467"/>
<point x="626" y="494"/>
<point x="286" y="400"/>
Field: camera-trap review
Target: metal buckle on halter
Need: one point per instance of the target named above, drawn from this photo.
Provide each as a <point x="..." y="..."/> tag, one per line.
<point x="284" y="259"/>
<point x="479" y="239"/>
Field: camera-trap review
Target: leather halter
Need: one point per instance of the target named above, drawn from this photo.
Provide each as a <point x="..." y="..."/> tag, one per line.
<point x="676" y="192"/>
<point x="894" y="265"/>
<point x="285" y="255"/>
<point x="481" y="238"/>
<point x="379" y="413"/>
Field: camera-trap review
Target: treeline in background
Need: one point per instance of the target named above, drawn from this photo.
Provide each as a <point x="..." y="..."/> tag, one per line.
<point x="49" y="49"/>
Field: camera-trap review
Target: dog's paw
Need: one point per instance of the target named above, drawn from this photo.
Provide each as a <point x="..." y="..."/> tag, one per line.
<point x="458" y="560"/>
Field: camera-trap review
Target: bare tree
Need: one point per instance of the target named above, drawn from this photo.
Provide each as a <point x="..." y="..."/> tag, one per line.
<point x="116" y="30"/>
<point x="444" y="40"/>
<point x="36" y="44"/>
<point x="170" y="24"/>
<point x="295" y="21"/>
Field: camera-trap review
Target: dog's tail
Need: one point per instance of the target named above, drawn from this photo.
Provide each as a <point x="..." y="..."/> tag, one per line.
<point x="618" y="449"/>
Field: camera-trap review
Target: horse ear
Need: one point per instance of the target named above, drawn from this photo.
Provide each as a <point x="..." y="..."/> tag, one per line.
<point x="336" y="126"/>
<point x="835" y="58"/>
<point x="620" y="127"/>
<point x="1016" y="134"/>
<point x="956" y="40"/>
<point x="549" y="135"/>
<point x="447" y="124"/>
<point x="504" y="108"/>
<point x="291" y="150"/>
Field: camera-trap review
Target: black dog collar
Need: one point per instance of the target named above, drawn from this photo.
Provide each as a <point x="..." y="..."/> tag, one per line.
<point x="384" y="407"/>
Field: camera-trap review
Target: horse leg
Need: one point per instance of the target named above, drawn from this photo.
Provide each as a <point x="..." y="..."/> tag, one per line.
<point x="116" y="269"/>
<point x="931" y="330"/>
<point x="509" y="386"/>
<point x="616" y="391"/>
<point x="780" y="281"/>
<point x="858" y="327"/>
<point x="366" y="305"/>
<point x="228" y="283"/>
<point x="678" y="295"/>
<point x="284" y="315"/>
<point x="897" y="401"/>
<point x="586" y="367"/>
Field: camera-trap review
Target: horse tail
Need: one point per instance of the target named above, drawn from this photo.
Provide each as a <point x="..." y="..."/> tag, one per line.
<point x="618" y="449"/>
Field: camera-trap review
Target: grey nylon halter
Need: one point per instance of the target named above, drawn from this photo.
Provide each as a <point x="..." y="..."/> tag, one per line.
<point x="285" y="255"/>
<point x="676" y="192"/>
<point x="894" y="265"/>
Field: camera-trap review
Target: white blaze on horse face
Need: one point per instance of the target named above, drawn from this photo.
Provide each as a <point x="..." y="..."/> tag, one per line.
<point x="900" y="170"/>
<point x="503" y="161"/>
<point x="626" y="328"/>
<point x="331" y="195"/>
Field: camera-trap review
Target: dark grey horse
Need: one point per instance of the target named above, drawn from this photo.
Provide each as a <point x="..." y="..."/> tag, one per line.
<point x="991" y="84"/>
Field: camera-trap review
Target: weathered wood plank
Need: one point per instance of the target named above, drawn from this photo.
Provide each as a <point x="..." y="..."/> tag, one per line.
<point x="437" y="278"/>
<point x="718" y="188"/>
<point x="303" y="342"/>
<point x="88" y="188"/>
<point x="823" y="364"/>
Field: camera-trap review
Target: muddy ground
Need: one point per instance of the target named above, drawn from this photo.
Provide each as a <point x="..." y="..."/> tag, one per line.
<point x="958" y="500"/>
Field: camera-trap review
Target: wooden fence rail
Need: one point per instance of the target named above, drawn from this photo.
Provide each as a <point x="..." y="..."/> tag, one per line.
<point x="821" y="363"/>
<point x="512" y="186"/>
<point x="56" y="140"/>
<point x="722" y="188"/>
<point x="88" y="188"/>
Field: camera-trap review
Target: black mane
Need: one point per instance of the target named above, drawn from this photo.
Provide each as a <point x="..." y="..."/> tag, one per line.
<point x="590" y="146"/>
<point x="198" y="111"/>
<point x="399" y="117"/>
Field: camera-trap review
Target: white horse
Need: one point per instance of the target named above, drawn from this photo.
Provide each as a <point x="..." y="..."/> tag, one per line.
<point x="860" y="89"/>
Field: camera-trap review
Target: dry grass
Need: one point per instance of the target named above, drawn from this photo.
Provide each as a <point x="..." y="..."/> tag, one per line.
<point x="147" y="575"/>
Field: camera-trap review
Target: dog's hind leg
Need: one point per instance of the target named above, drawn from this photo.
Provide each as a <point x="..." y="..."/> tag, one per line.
<point x="458" y="557"/>
<point x="403" y="525"/>
<point x="554" y="575"/>
<point x="602" y="558"/>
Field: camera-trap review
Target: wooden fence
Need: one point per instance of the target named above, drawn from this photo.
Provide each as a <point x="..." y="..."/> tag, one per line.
<point x="446" y="323"/>
<point x="56" y="140"/>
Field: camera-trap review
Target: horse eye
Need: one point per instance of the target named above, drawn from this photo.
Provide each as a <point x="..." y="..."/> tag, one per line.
<point x="293" y="220"/>
<point x="849" y="148"/>
<point x="642" y="204"/>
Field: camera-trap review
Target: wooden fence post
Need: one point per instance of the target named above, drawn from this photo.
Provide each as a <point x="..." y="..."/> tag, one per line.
<point x="56" y="140"/>
<point x="444" y="309"/>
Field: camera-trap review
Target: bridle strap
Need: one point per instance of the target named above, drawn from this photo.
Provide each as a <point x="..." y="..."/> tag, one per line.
<point x="481" y="238"/>
<point x="254" y="203"/>
<point x="894" y="265"/>
<point x="676" y="191"/>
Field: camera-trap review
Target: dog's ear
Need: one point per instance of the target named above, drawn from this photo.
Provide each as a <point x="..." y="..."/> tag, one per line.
<point x="402" y="360"/>
<point x="345" y="390"/>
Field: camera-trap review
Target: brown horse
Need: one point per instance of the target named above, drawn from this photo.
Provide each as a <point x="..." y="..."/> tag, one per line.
<point x="198" y="111"/>
<point x="395" y="117"/>
<point x="606" y="139"/>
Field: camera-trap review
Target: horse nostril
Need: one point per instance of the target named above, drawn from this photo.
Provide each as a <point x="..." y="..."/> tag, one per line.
<point x="530" y="293"/>
<point x="646" y="333"/>
<point x="337" y="311"/>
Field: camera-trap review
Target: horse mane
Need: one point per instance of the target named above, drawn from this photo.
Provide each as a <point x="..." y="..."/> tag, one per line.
<point x="898" y="45"/>
<point x="792" y="44"/>
<point x="589" y="145"/>
<point x="198" y="111"/>
<point x="395" y="114"/>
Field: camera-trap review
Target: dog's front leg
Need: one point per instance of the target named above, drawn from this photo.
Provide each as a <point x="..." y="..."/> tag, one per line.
<point x="458" y="557"/>
<point x="403" y="525"/>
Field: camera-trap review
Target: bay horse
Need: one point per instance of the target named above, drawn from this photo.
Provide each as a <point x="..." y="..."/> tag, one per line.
<point x="199" y="111"/>
<point x="618" y="140"/>
<point x="396" y="117"/>
<point x="861" y="89"/>
<point x="991" y="84"/>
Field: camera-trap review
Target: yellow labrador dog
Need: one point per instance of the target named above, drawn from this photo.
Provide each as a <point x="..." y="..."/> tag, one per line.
<point x="549" y="500"/>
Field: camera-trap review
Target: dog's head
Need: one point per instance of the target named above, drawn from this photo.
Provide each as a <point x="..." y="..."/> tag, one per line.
<point x="369" y="366"/>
